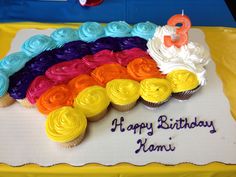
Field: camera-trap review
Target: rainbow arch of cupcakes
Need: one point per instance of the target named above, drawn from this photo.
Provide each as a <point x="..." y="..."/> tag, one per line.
<point x="64" y="75"/>
<point x="40" y="51"/>
<point x="89" y="94"/>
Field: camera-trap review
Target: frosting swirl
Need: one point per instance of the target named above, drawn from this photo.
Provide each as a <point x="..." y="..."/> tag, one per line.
<point x="108" y="72"/>
<point x="182" y="80"/>
<point x="132" y="42"/>
<point x="65" y="124"/>
<point x="39" y="85"/>
<point x="64" y="35"/>
<point x="123" y="91"/>
<point x="90" y="31"/>
<point x="39" y="64"/>
<point x="155" y="90"/>
<point x="4" y="83"/>
<point x="100" y="58"/>
<point x="54" y="98"/>
<point x="37" y="44"/>
<point x="72" y="50"/>
<point x="143" y="68"/>
<point x="144" y="30"/>
<point x="65" y="71"/>
<point x="79" y="83"/>
<point x="13" y="62"/>
<point x="19" y="83"/>
<point x="166" y="30"/>
<point x="92" y="100"/>
<point x="192" y="56"/>
<point x="108" y="43"/>
<point x="126" y="56"/>
<point x="118" y="29"/>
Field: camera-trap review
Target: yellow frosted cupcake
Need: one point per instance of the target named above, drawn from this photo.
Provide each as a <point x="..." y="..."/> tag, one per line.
<point x="155" y="92"/>
<point x="66" y="126"/>
<point x="123" y="93"/>
<point x="184" y="83"/>
<point x="93" y="102"/>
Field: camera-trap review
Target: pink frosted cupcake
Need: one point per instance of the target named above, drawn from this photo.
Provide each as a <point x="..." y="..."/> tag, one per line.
<point x="37" y="88"/>
<point x="65" y="71"/>
<point x="100" y="58"/>
<point x="126" y="56"/>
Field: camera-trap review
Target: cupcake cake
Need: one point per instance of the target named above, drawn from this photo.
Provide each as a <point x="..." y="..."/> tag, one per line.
<point x="143" y="68"/>
<point x="90" y="31"/>
<point x="66" y="126"/>
<point x="64" y="35"/>
<point x="108" y="72"/>
<point x="39" y="85"/>
<point x="183" y="83"/>
<point x="54" y="98"/>
<point x="154" y="92"/>
<point x="100" y="58"/>
<point x="123" y="93"/>
<point x="126" y="56"/>
<point x="80" y="83"/>
<point x="93" y="102"/>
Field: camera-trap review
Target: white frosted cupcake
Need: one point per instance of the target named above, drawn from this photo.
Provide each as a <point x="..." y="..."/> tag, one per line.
<point x="192" y="56"/>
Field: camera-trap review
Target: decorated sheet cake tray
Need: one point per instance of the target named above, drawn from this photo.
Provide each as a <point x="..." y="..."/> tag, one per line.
<point x="138" y="130"/>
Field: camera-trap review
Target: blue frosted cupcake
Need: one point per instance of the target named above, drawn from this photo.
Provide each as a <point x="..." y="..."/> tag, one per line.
<point x="37" y="44"/>
<point x="91" y="31"/>
<point x="118" y="29"/>
<point x="144" y="30"/>
<point x="13" y="63"/>
<point x="64" y="35"/>
<point x="5" y="99"/>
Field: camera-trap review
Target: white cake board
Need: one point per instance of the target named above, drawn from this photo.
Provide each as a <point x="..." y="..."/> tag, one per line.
<point x="23" y="139"/>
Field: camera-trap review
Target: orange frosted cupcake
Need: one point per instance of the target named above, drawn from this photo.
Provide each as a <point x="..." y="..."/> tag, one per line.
<point x="143" y="68"/>
<point x="54" y="98"/>
<point x="108" y="72"/>
<point x="81" y="82"/>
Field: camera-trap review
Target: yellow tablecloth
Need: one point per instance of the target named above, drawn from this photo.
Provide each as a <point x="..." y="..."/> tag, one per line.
<point x="222" y="43"/>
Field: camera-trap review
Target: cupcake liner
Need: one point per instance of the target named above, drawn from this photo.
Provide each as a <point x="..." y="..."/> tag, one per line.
<point x="186" y="94"/>
<point x="98" y="116"/>
<point x="74" y="142"/>
<point x="124" y="108"/>
<point x="24" y="102"/>
<point x="6" y="100"/>
<point x="154" y="105"/>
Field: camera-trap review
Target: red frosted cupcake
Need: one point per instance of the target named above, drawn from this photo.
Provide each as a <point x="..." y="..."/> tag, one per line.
<point x="126" y="56"/>
<point x="100" y="58"/>
<point x="63" y="72"/>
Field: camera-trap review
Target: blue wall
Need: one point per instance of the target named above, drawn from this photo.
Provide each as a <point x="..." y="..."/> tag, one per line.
<point x="201" y="12"/>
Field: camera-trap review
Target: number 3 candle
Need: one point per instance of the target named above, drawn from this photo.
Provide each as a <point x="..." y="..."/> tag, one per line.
<point x="181" y="32"/>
